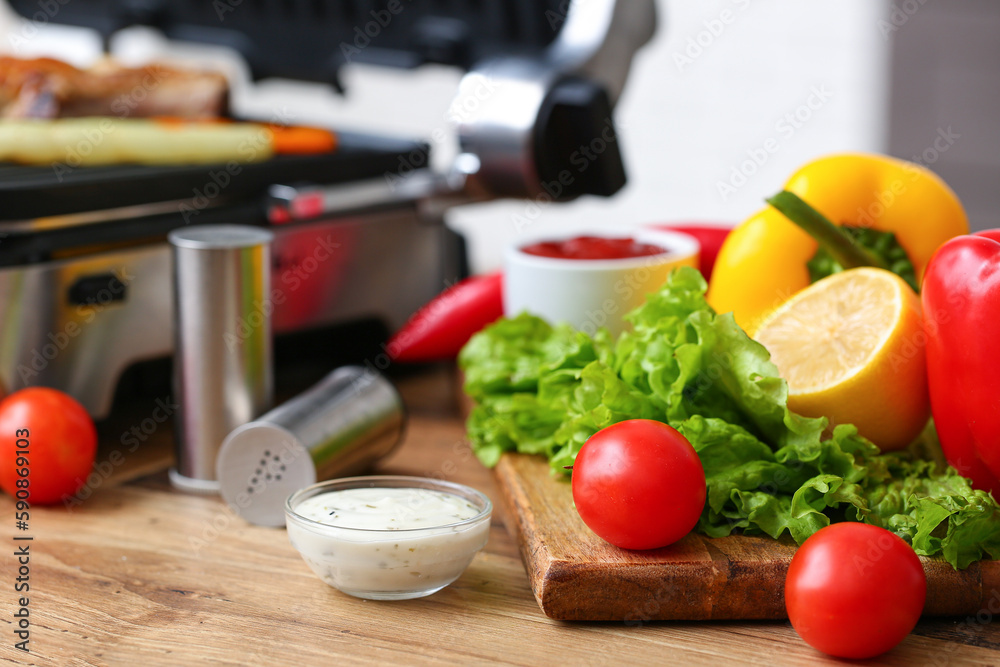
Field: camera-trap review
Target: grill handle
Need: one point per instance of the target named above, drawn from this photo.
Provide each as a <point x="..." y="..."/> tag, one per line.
<point x="543" y="127"/>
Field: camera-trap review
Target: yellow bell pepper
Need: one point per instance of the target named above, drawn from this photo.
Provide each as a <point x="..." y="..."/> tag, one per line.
<point x="763" y="261"/>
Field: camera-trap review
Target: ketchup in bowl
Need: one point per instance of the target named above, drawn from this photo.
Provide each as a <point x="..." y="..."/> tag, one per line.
<point x="593" y="247"/>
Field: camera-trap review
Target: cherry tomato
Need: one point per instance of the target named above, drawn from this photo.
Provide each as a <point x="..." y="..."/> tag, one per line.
<point x="854" y="590"/>
<point x="60" y="439"/>
<point x="639" y="484"/>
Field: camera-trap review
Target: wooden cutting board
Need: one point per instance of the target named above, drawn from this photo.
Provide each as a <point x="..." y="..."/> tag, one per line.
<point x="577" y="576"/>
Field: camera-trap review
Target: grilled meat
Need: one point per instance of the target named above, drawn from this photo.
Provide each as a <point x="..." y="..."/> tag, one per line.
<point x="49" y="88"/>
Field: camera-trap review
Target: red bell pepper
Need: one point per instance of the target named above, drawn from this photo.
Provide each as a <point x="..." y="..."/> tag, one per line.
<point x="438" y="331"/>
<point x="709" y="236"/>
<point x="961" y="303"/>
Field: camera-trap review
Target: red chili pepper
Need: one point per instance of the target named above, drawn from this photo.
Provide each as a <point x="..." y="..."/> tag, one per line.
<point x="961" y="302"/>
<point x="438" y="331"/>
<point x="709" y="236"/>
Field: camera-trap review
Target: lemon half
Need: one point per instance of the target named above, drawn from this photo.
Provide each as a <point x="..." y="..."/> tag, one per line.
<point x="851" y="347"/>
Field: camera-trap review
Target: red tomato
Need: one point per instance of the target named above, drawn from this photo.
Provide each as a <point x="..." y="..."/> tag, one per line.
<point x="854" y="590"/>
<point x="639" y="484"/>
<point x="61" y="444"/>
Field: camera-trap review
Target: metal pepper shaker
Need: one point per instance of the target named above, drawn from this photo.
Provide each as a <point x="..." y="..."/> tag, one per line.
<point x="336" y="428"/>
<point x="223" y="374"/>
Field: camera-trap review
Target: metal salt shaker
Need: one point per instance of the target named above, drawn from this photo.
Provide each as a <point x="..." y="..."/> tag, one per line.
<point x="223" y="374"/>
<point x="336" y="428"/>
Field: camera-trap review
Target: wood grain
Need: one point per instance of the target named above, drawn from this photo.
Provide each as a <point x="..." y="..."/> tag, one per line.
<point x="123" y="580"/>
<point x="576" y="575"/>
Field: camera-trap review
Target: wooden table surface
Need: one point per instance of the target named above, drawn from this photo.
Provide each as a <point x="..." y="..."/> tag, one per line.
<point x="139" y="574"/>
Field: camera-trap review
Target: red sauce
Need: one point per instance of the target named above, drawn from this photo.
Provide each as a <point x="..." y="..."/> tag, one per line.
<point x="593" y="247"/>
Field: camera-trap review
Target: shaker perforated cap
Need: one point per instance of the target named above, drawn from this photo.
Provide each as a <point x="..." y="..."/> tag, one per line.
<point x="260" y="464"/>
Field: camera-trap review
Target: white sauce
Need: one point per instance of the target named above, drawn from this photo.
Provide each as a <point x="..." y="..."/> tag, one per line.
<point x="387" y="508"/>
<point x="408" y="544"/>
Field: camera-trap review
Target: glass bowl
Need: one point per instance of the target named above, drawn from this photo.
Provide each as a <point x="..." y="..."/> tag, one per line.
<point x="379" y="564"/>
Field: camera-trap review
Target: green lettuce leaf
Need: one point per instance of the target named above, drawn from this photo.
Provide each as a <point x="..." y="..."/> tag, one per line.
<point x="543" y="389"/>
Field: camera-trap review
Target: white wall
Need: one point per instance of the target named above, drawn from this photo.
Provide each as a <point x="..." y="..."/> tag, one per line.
<point x="722" y="82"/>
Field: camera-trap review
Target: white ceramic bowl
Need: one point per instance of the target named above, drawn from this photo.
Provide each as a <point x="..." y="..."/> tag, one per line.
<point x="591" y="293"/>
<point x="389" y="564"/>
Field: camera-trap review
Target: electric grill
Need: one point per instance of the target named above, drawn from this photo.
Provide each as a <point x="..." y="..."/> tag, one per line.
<point x="85" y="290"/>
